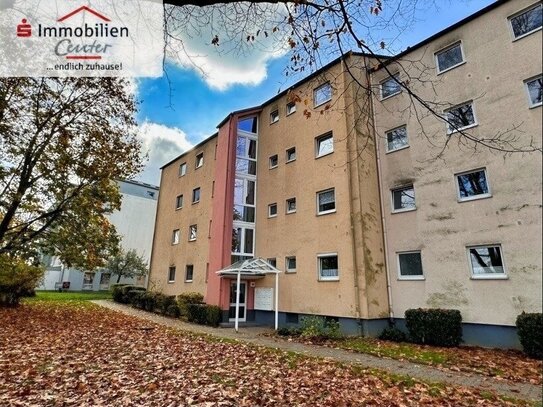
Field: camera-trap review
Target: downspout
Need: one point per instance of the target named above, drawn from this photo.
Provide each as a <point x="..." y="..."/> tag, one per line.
<point x="383" y="221"/>
<point x="353" y="242"/>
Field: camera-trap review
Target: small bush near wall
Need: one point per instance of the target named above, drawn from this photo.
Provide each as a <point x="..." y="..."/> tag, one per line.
<point x="530" y="333"/>
<point x="188" y="298"/>
<point x="442" y="327"/>
<point x="392" y="333"/>
<point x="204" y="314"/>
<point x="17" y="279"/>
<point x="318" y="327"/>
<point x="213" y="315"/>
<point x="116" y="292"/>
<point x="131" y="293"/>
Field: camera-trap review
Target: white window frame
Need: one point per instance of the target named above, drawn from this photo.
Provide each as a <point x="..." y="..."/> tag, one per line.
<point x="390" y="131"/>
<point x="409" y="278"/>
<point x="270" y="215"/>
<point x="319" y="274"/>
<point x="244" y="227"/>
<point x="319" y="87"/>
<point x="182" y="169"/>
<point x="290" y="108"/>
<point x="289" y="160"/>
<point x="489" y="276"/>
<point x="186" y="273"/>
<point x="394" y="210"/>
<point x="199" y="160"/>
<point x="319" y="213"/>
<point x="272" y="166"/>
<point x="318" y="139"/>
<point x="475" y="197"/>
<point x="177" y="206"/>
<point x="191" y="229"/>
<point x="445" y="49"/>
<point x="530" y="103"/>
<point x="293" y="199"/>
<point x="274" y="116"/>
<point x="390" y="78"/>
<point x="199" y="195"/>
<point x="469" y="126"/>
<point x="287" y="269"/>
<point x="518" y="13"/>
<point x="176" y="237"/>
<point x="169" y="274"/>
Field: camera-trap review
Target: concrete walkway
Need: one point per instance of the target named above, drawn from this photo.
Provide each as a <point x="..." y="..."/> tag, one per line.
<point x="427" y="373"/>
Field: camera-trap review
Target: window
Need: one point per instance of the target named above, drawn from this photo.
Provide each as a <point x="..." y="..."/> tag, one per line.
<point x="249" y="125"/>
<point x="171" y="274"/>
<point x="88" y="281"/>
<point x="193" y="232"/>
<point x="450" y="57"/>
<point x="290" y="264"/>
<point x="526" y="22"/>
<point x="183" y="169"/>
<point x="179" y="202"/>
<point x="199" y="160"/>
<point x="326" y="201"/>
<point x="535" y="92"/>
<point x="472" y="185"/>
<point x="242" y="241"/>
<point x="291" y="154"/>
<point x="291" y="108"/>
<point x="460" y="117"/>
<point x="410" y="266"/>
<point x="244" y="166"/>
<point x="272" y="261"/>
<point x="324" y="145"/>
<point x="397" y="139"/>
<point x="322" y="94"/>
<point x="189" y="273"/>
<point x="272" y="210"/>
<point x="274" y="160"/>
<point x="390" y="86"/>
<point x="486" y="262"/>
<point x="291" y="205"/>
<point x="195" y="195"/>
<point x="175" y="236"/>
<point x="274" y="116"/>
<point x="403" y="199"/>
<point x="328" y="266"/>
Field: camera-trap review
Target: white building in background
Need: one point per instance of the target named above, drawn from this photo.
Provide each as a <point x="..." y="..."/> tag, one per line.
<point x="135" y="223"/>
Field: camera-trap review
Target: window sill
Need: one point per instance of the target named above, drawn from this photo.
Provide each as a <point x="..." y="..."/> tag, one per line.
<point x="403" y="210"/>
<point x="274" y="167"/>
<point x="475" y="198"/>
<point x="197" y="202"/>
<point x="175" y="244"/>
<point x="390" y="96"/>
<point x="272" y="216"/>
<point x="490" y="277"/>
<point x="322" y="103"/>
<point x="171" y="281"/>
<point x="192" y="240"/>
<point x="421" y="278"/>
<point x="274" y="122"/>
<point x="323" y="155"/>
<point x="290" y="161"/>
<point x="197" y="168"/>
<point x="188" y="281"/>
<point x="326" y="212"/>
<point x="328" y="279"/>
<point x="291" y="212"/>
<point x="288" y="114"/>
<point x="451" y="68"/>
<point x="397" y="149"/>
<point x="451" y="132"/>
<point x="536" y="105"/>
<point x="178" y="209"/>
<point x="526" y="34"/>
<point x="290" y="272"/>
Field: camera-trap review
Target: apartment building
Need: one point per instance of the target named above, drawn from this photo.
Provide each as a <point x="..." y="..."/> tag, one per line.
<point x="369" y="204"/>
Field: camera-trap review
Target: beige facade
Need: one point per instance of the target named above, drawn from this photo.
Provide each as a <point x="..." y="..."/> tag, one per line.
<point x="186" y="252"/>
<point x="443" y="226"/>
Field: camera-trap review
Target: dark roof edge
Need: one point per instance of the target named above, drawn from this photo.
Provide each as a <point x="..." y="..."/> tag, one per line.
<point x="238" y="112"/>
<point x="447" y="30"/>
<point x="200" y="144"/>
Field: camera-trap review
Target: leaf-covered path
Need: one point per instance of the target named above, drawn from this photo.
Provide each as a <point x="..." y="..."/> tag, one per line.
<point x="79" y="354"/>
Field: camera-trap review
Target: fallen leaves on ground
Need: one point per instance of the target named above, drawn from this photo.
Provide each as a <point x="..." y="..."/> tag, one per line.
<point x="77" y="354"/>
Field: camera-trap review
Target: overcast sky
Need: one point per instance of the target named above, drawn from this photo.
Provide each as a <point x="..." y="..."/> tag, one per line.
<point x="178" y="112"/>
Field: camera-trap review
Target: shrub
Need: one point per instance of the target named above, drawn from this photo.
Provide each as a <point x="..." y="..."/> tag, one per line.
<point x="173" y="311"/>
<point x="138" y="299"/>
<point x="392" y="333"/>
<point x="530" y="333"/>
<point x="188" y="298"/>
<point x="196" y="313"/>
<point x="129" y="292"/>
<point x="442" y="327"/>
<point x="315" y="326"/>
<point x="288" y="331"/>
<point x="164" y="302"/>
<point x="150" y="300"/>
<point x="117" y="293"/>
<point x="17" y="279"/>
<point x="213" y="315"/>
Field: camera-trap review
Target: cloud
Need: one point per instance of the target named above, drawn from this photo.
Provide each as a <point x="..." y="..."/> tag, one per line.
<point x="234" y="61"/>
<point x="162" y="144"/>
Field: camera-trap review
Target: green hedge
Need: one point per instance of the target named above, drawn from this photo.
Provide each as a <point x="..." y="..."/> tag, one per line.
<point x="391" y="333"/>
<point x="204" y="314"/>
<point x="117" y="292"/>
<point x="188" y="298"/>
<point x="441" y="327"/>
<point x="17" y="279"/>
<point x="530" y="333"/>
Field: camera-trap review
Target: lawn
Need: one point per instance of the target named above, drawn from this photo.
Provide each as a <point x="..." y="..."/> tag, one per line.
<point x="69" y="296"/>
<point x="74" y="353"/>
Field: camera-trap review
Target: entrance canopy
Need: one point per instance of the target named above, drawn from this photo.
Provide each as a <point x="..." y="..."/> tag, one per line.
<point x="252" y="269"/>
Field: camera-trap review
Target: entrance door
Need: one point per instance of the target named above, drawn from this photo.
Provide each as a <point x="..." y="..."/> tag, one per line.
<point x="242" y="301"/>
